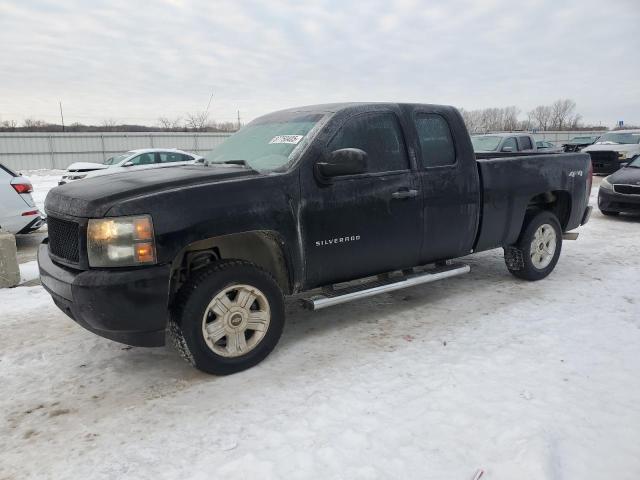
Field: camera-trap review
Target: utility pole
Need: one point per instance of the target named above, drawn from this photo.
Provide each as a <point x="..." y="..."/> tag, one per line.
<point x="238" y="119"/>
<point x="61" y="116"/>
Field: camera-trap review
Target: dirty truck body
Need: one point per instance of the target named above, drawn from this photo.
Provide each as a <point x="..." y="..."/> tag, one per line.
<point x="326" y="194"/>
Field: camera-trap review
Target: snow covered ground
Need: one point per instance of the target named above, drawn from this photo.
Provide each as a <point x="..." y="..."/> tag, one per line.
<point x="522" y="380"/>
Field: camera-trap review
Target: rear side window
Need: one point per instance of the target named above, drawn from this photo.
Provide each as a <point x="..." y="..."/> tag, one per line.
<point x="169" y="157"/>
<point x="510" y="143"/>
<point x="436" y="141"/>
<point x="380" y="136"/>
<point x="525" y="143"/>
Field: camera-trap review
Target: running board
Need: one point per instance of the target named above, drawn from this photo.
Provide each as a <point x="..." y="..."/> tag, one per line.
<point x="347" y="294"/>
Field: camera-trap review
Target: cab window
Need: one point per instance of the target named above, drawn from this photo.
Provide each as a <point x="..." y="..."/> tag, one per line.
<point x="510" y="145"/>
<point x="380" y="136"/>
<point x="436" y="141"/>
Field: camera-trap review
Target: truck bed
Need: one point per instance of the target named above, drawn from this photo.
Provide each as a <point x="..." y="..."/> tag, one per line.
<point x="510" y="183"/>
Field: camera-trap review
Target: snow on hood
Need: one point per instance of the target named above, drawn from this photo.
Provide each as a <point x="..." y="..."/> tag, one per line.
<point x="86" y="166"/>
<point x="612" y="147"/>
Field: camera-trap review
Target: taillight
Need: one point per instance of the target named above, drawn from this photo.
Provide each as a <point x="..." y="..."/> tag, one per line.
<point x="30" y="212"/>
<point x="22" y="187"/>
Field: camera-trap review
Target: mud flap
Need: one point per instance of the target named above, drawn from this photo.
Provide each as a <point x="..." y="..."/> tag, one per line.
<point x="513" y="258"/>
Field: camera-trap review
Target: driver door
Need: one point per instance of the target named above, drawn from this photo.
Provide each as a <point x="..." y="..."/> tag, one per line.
<point x="368" y="223"/>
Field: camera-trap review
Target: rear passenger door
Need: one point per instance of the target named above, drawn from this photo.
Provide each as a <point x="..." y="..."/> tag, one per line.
<point x="450" y="186"/>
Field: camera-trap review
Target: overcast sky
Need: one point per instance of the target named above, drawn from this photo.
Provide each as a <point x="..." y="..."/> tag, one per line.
<point x="135" y="61"/>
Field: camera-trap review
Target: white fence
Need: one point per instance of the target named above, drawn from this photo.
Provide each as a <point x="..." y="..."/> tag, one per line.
<point x="560" y="137"/>
<point x="31" y="151"/>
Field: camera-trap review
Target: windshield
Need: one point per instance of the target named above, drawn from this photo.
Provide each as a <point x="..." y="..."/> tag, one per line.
<point x="485" y="143"/>
<point x="117" y="159"/>
<point x="266" y="143"/>
<point x="635" y="163"/>
<point x="626" y="138"/>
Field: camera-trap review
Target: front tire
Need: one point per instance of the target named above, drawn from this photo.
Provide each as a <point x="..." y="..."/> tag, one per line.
<point x="537" y="251"/>
<point x="228" y="317"/>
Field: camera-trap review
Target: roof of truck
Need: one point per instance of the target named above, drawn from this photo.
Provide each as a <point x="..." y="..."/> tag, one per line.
<point x="335" y="107"/>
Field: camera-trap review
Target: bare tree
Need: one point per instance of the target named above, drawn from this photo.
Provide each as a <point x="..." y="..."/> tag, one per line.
<point x="561" y="113"/>
<point x="31" y="123"/>
<point x="109" y="124"/>
<point x="197" y="121"/>
<point x="167" y="123"/>
<point x="541" y="116"/>
<point x="9" y="125"/>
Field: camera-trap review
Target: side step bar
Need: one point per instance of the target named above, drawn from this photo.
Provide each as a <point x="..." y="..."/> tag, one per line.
<point x="347" y="294"/>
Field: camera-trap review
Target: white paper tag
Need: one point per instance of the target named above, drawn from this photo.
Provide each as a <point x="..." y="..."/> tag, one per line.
<point x="293" y="139"/>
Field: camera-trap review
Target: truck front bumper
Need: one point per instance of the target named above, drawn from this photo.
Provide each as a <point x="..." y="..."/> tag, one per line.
<point x="610" y="201"/>
<point x="129" y="306"/>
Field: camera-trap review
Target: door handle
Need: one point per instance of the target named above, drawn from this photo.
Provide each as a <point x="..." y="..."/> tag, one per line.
<point x="404" y="194"/>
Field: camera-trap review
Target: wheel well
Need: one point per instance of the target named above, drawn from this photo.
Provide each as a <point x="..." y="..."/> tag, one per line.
<point x="558" y="202"/>
<point x="263" y="248"/>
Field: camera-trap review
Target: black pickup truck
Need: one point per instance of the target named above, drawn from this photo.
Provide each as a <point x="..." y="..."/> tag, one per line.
<point x="329" y="203"/>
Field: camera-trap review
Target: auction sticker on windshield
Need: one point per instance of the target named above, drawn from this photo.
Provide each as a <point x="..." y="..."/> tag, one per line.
<point x="293" y="139"/>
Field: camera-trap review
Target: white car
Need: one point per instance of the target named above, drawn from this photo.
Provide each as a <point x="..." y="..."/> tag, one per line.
<point x="132" y="160"/>
<point x="18" y="212"/>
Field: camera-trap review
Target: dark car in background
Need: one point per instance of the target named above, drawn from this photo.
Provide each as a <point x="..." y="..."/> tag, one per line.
<point x="578" y="143"/>
<point x="620" y="192"/>
<point x="614" y="150"/>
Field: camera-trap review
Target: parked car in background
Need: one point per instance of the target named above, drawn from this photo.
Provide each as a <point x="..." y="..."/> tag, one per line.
<point x="503" y="142"/>
<point x="18" y="211"/>
<point x="614" y="150"/>
<point x="548" y="147"/>
<point x="578" y="143"/>
<point x="620" y="192"/>
<point x="131" y="160"/>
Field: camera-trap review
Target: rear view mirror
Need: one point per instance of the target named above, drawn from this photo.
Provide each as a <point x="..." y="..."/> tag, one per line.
<point x="346" y="161"/>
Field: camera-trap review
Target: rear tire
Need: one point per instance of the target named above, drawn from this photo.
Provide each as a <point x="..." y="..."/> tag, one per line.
<point x="228" y="317"/>
<point x="537" y="251"/>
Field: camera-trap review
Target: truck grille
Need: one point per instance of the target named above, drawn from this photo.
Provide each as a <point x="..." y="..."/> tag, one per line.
<point x="627" y="189"/>
<point x="604" y="161"/>
<point x="63" y="239"/>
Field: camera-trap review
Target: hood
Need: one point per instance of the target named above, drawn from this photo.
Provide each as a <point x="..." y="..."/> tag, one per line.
<point x="93" y="197"/>
<point x="612" y="147"/>
<point x="627" y="176"/>
<point x="86" y="166"/>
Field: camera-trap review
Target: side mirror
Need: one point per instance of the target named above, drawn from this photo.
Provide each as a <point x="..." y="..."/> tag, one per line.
<point x="127" y="164"/>
<point x="507" y="149"/>
<point x="346" y="161"/>
<point x="622" y="165"/>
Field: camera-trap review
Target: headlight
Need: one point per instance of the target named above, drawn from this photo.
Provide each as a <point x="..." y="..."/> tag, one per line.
<point x="121" y="241"/>
<point x="77" y="177"/>
<point x="622" y="155"/>
<point x="605" y="185"/>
